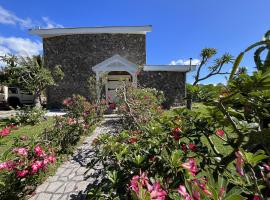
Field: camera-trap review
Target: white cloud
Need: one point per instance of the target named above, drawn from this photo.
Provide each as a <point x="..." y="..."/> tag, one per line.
<point x="50" y="24"/>
<point x="185" y="62"/>
<point x="7" y="17"/>
<point x="19" y="46"/>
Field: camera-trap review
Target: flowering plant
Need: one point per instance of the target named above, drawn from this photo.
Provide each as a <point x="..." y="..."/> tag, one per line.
<point x="24" y="166"/>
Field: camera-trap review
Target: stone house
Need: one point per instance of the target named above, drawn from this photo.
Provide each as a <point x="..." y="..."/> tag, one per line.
<point x="119" y="52"/>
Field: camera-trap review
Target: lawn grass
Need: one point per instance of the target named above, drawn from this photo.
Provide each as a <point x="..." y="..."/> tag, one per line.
<point x="27" y="130"/>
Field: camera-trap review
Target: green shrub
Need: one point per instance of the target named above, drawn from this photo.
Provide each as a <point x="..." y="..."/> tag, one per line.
<point x="138" y="106"/>
<point x="28" y="115"/>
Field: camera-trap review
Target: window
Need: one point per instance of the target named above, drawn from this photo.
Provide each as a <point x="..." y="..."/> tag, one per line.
<point x="12" y="91"/>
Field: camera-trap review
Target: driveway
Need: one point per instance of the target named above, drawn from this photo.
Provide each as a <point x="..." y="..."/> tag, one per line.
<point x="7" y="113"/>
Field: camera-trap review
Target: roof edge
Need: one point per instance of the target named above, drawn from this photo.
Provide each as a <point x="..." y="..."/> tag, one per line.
<point x="172" y="68"/>
<point x="44" y="33"/>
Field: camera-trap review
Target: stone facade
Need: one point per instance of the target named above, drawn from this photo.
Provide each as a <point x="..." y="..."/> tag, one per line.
<point x="171" y="83"/>
<point x="77" y="54"/>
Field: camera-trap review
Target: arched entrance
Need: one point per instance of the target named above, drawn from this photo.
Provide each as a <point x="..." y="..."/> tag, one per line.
<point x="117" y="69"/>
<point x="116" y="80"/>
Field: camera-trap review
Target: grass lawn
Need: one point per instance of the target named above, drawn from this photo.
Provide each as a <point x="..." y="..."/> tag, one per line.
<point x="28" y="130"/>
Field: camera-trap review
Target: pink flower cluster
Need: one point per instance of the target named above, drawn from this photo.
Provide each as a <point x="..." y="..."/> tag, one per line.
<point x="23" y="165"/>
<point x="191" y="166"/>
<point x="6" y="131"/>
<point x="68" y="101"/>
<point x="155" y="190"/>
<point x="196" y="195"/>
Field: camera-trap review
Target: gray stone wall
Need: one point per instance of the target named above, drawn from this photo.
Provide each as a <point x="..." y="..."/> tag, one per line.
<point x="171" y="83"/>
<point x="77" y="54"/>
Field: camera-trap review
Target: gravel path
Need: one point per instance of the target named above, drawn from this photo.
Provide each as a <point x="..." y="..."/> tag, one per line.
<point x="72" y="178"/>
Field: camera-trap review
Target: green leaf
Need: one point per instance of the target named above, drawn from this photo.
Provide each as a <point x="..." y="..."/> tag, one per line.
<point x="235" y="197"/>
<point x="236" y="64"/>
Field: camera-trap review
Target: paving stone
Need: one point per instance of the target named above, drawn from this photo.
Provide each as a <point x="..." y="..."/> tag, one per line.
<point x="52" y="178"/>
<point x="78" y="178"/>
<point x="70" y="187"/>
<point x="71" y="175"/>
<point x="69" y="181"/>
<point x="81" y="186"/>
<point x="64" y="178"/>
<point x="43" y="196"/>
<point x="42" y="187"/>
<point x="61" y="189"/>
<point x="56" y="197"/>
<point x="54" y="186"/>
<point x="67" y="172"/>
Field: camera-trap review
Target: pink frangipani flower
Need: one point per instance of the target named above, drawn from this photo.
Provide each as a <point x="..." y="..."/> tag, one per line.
<point x="256" y="197"/>
<point x="190" y="166"/>
<point x="21" y="151"/>
<point x="196" y="195"/>
<point x="156" y="192"/>
<point x="239" y="162"/>
<point x="183" y="192"/>
<point x="22" y="173"/>
<point x="4" y="132"/>
<point x="39" y="151"/>
<point x="220" y="132"/>
<point x="220" y="193"/>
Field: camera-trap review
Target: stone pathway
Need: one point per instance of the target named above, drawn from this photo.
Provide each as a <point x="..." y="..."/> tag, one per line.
<point x="72" y="178"/>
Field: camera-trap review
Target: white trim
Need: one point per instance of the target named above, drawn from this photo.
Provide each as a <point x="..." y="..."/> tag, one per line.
<point x="45" y="33"/>
<point x="172" y="68"/>
<point x="116" y="63"/>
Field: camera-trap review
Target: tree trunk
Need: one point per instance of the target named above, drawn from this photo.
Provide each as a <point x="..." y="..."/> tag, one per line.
<point x="189" y="103"/>
<point x="37" y="100"/>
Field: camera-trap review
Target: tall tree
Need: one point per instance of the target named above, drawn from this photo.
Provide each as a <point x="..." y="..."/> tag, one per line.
<point x="216" y="69"/>
<point x="29" y="73"/>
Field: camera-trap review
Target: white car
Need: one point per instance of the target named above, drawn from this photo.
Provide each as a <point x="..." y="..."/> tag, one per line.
<point x="13" y="96"/>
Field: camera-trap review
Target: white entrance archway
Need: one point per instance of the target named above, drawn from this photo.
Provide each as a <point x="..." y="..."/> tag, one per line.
<point x="115" y="63"/>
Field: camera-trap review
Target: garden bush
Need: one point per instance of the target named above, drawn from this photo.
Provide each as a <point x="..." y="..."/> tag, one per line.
<point x="220" y="154"/>
<point x="28" y="115"/>
<point x="138" y="106"/>
<point x="23" y="166"/>
<point x="81" y="118"/>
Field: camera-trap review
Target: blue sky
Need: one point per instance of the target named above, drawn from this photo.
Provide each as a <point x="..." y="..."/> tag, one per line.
<point x="181" y="28"/>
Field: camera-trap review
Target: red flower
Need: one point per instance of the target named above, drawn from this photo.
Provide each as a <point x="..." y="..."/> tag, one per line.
<point x="4" y="132"/>
<point x="156" y="192"/>
<point x="22" y="173"/>
<point x="190" y="166"/>
<point x="221" y="192"/>
<point x="67" y="102"/>
<point x="134" y="184"/>
<point x="34" y="168"/>
<point x="196" y="195"/>
<point x="266" y="167"/>
<point x="39" y="151"/>
<point x="70" y="121"/>
<point x="21" y="151"/>
<point x="12" y="126"/>
<point x="136" y="180"/>
<point x="192" y="147"/>
<point x="132" y="140"/>
<point x="183" y="192"/>
<point x="8" y="165"/>
<point x="51" y="159"/>
<point x="202" y="186"/>
<point x="239" y="163"/>
<point x="176" y="133"/>
<point x="220" y="132"/>
<point x="184" y="147"/>
<point x="256" y="197"/>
